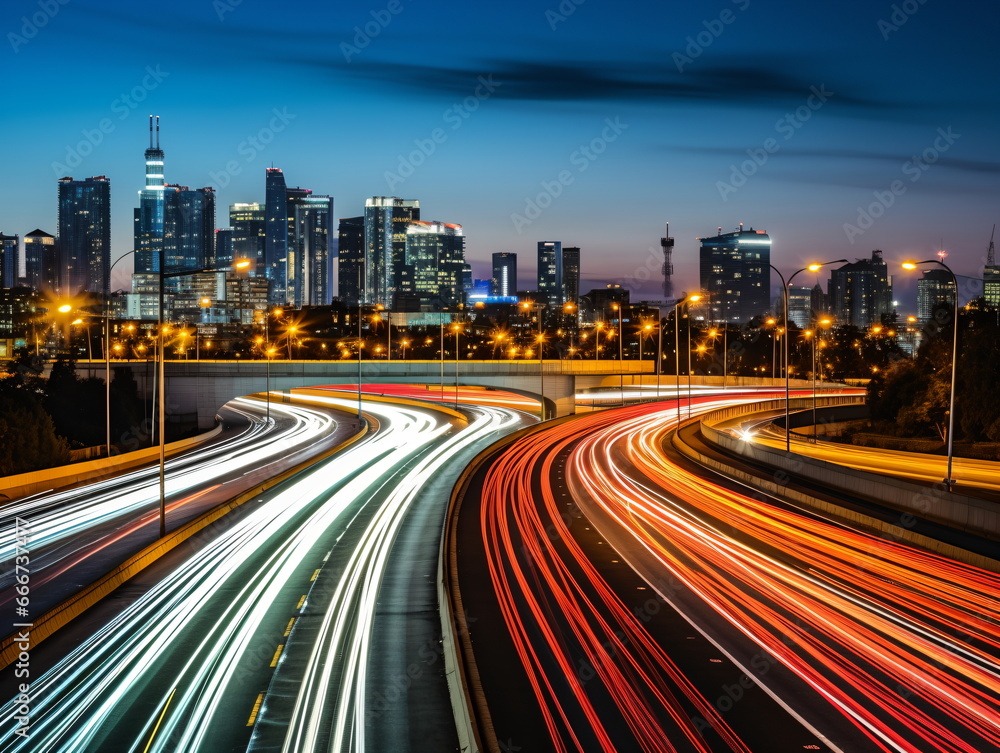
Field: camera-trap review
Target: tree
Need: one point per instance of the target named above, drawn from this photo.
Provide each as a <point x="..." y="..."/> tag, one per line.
<point x="28" y="440"/>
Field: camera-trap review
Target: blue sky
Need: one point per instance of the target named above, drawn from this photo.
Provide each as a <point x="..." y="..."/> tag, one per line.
<point x="616" y="116"/>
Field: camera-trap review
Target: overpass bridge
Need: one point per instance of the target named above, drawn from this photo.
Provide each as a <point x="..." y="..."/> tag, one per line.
<point x="200" y="387"/>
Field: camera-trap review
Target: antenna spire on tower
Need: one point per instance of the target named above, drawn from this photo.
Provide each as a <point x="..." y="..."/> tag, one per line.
<point x="157" y="131"/>
<point x="991" y="253"/>
<point x="150" y="131"/>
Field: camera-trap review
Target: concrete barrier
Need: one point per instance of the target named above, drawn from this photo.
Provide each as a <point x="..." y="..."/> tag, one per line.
<point x="973" y="515"/>
<point x="26" y="484"/>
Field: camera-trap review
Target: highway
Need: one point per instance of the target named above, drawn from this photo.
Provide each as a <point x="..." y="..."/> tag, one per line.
<point x="78" y="534"/>
<point x="856" y="643"/>
<point x="198" y="654"/>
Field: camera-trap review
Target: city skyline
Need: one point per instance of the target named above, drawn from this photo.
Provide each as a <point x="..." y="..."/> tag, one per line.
<point x="806" y="142"/>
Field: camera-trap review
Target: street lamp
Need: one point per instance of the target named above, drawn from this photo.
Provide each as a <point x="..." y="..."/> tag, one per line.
<point x="537" y="307"/>
<point x="949" y="480"/>
<point x="784" y="300"/>
<point x="457" y="329"/>
<point x="677" y="351"/>
<point x="621" y="357"/>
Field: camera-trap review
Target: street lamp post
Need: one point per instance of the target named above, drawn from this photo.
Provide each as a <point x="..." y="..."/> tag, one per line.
<point x="784" y="301"/>
<point x="107" y="352"/>
<point x="677" y="352"/>
<point x="949" y="480"/>
<point x="621" y="357"/>
<point x="537" y="308"/>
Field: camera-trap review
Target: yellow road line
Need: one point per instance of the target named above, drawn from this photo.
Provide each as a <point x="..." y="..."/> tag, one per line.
<point x="301" y="602"/>
<point x="277" y="655"/>
<point x="289" y="628"/>
<point x="315" y="574"/>
<point x="256" y="708"/>
<point x="160" y="720"/>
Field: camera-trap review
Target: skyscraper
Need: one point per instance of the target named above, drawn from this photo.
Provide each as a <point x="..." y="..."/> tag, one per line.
<point x="991" y="275"/>
<point x="800" y="305"/>
<point x="222" y="254"/>
<point x="735" y="274"/>
<point x="10" y="251"/>
<point x="667" y="245"/>
<point x="350" y="258"/>
<point x="570" y="274"/>
<point x="188" y="227"/>
<point x="934" y="288"/>
<point x="41" y="261"/>
<point x="861" y="292"/>
<point x="149" y="215"/>
<point x="276" y="209"/>
<point x="247" y="221"/>
<point x="436" y="252"/>
<point x="386" y="222"/>
<point x="550" y="272"/>
<point x="84" y="234"/>
<point x="308" y="268"/>
<point x="504" y="282"/>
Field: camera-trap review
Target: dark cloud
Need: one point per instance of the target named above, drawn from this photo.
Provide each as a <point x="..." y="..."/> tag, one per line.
<point x="763" y="83"/>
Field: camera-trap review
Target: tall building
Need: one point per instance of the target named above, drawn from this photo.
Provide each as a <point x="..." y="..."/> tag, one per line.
<point x="222" y="253"/>
<point x="504" y="282"/>
<point x="149" y="215"/>
<point x="10" y="252"/>
<point x="41" y="261"/>
<point x="550" y="272"/>
<point x="386" y="222"/>
<point x="667" y="245"/>
<point x="818" y="303"/>
<point x="276" y="226"/>
<point x="247" y="221"/>
<point x="308" y="268"/>
<point x="934" y="288"/>
<point x="991" y="284"/>
<point x="800" y="306"/>
<point x="350" y="259"/>
<point x="991" y="276"/>
<point x="860" y="293"/>
<point x="570" y="274"/>
<point x="188" y="227"/>
<point x="84" y="234"/>
<point x="735" y="274"/>
<point x="436" y="253"/>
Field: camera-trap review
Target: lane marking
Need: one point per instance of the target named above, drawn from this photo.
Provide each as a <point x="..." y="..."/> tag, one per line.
<point x="255" y="710"/>
<point x="315" y="575"/>
<point x="277" y="655"/>
<point x="289" y="628"/>
<point x="159" y="721"/>
<point x="301" y="602"/>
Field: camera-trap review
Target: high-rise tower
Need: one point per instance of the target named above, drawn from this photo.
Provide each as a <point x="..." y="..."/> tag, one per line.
<point x="667" y="244"/>
<point x="276" y="221"/>
<point x="84" y="234"/>
<point x="149" y="213"/>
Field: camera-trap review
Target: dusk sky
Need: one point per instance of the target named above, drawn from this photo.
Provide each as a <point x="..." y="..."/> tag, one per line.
<point x="832" y="100"/>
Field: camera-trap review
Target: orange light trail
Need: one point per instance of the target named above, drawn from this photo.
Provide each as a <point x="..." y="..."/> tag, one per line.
<point x="900" y="643"/>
